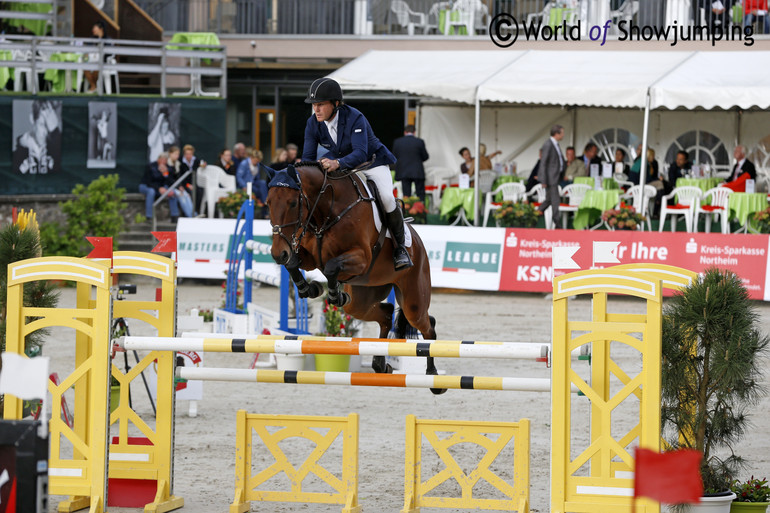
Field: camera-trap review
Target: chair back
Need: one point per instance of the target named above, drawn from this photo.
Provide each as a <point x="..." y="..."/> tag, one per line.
<point x="575" y="192"/>
<point x="401" y="10"/>
<point x="538" y="191"/>
<point x="486" y="178"/>
<point x="513" y="191"/>
<point x="719" y="196"/>
<point x="687" y="194"/>
<point x="634" y="192"/>
<point x="201" y="177"/>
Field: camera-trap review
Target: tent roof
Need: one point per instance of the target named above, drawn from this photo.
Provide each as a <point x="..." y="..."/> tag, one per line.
<point x="675" y="79"/>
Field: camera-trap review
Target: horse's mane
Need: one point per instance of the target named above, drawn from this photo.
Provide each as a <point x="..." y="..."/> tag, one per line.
<point x="310" y="163"/>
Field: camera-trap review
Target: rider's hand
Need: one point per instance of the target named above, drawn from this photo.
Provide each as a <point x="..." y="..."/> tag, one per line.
<point x="330" y="165"/>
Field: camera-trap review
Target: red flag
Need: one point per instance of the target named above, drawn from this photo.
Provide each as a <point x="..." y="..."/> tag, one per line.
<point x="102" y="247"/>
<point x="670" y="477"/>
<point x="166" y="242"/>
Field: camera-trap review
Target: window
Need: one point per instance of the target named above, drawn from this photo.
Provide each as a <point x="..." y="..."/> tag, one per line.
<point x="612" y="139"/>
<point x="703" y="148"/>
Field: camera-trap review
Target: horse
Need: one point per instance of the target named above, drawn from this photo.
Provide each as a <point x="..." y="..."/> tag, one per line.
<point x="325" y="221"/>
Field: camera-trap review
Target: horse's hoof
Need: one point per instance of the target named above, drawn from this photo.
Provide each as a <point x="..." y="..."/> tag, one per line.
<point x="432" y="371"/>
<point x="379" y="365"/>
<point x="343" y="299"/>
<point x="315" y="289"/>
<point x="438" y="391"/>
<point x="388" y="369"/>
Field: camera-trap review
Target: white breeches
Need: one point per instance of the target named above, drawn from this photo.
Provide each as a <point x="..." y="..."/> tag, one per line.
<point x="381" y="177"/>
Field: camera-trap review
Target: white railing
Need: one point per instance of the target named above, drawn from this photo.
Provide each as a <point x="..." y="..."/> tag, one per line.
<point x="33" y="54"/>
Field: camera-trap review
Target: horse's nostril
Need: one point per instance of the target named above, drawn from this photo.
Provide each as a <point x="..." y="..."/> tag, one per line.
<point x="284" y="257"/>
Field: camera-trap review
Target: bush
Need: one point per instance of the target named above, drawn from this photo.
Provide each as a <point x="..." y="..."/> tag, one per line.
<point x="415" y="208"/>
<point x="517" y="215"/>
<point x="762" y="221"/>
<point x="95" y="212"/>
<point x="338" y="323"/>
<point x="230" y="205"/>
<point x="623" y="218"/>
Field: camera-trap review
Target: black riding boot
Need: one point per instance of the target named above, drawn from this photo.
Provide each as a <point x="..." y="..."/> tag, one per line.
<point x="401" y="258"/>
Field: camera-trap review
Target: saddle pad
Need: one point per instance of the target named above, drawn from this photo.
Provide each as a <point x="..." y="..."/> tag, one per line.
<point x="376" y="215"/>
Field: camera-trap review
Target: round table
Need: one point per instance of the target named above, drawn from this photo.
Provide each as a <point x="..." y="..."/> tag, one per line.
<point x="592" y="206"/>
<point x="58" y="77"/>
<point x="454" y="198"/>
<point x="501" y="180"/>
<point x="741" y="204"/>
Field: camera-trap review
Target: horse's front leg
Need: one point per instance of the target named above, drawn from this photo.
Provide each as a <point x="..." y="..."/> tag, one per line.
<point x="312" y="289"/>
<point x="350" y="263"/>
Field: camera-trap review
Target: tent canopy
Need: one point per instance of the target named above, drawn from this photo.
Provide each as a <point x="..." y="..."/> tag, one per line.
<point x="711" y="79"/>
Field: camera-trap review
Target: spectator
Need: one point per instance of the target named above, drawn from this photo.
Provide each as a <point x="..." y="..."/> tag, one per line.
<point x="410" y="154"/>
<point x="717" y="13"/>
<point x="551" y="168"/>
<point x="590" y="157"/>
<point x="181" y="193"/>
<point x="97" y="30"/>
<point x="756" y="10"/>
<point x="281" y="157"/>
<point x="226" y="162"/>
<point x="292" y="153"/>
<point x="677" y="170"/>
<point x="248" y="168"/>
<point x="532" y="180"/>
<point x="485" y="161"/>
<point x="155" y="182"/>
<point x="742" y="170"/>
<point x="635" y="171"/>
<point x="239" y="154"/>
<point x="467" y="166"/>
<point x="191" y="162"/>
<point x="575" y="167"/>
<point x="620" y="162"/>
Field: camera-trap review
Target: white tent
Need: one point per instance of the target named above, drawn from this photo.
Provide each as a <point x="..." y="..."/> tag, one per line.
<point x="635" y="79"/>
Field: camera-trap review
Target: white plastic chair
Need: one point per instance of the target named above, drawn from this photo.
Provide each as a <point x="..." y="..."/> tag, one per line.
<point x="470" y="14"/>
<point x="435" y="179"/>
<point x="575" y="192"/>
<point x="538" y="194"/>
<point x="486" y="178"/>
<point x="718" y="207"/>
<point x="543" y="15"/>
<point x="23" y="74"/>
<point x="216" y="183"/>
<point x="641" y="204"/>
<point x="408" y="18"/>
<point x="686" y="198"/>
<point x="512" y="191"/>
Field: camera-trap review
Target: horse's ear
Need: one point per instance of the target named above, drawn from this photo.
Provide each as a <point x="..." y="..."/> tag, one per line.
<point x="292" y="172"/>
<point x="269" y="170"/>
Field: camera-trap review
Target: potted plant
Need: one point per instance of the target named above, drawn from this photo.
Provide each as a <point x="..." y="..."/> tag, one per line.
<point x="336" y="324"/>
<point x="230" y="205"/>
<point x="415" y="208"/>
<point x="761" y="221"/>
<point x="517" y="215"/>
<point x="752" y="495"/>
<point x="623" y="218"/>
<point x="711" y="374"/>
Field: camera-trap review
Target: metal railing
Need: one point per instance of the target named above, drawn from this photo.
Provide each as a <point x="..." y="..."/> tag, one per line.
<point x="33" y="54"/>
<point x="173" y="187"/>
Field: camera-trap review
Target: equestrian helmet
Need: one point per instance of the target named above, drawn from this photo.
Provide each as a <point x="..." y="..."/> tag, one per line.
<point x="323" y="90"/>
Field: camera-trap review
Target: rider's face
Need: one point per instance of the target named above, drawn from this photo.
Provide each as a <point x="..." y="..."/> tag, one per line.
<point x="323" y="111"/>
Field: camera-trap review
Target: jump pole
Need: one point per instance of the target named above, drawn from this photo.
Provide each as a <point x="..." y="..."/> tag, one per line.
<point x="366" y="379"/>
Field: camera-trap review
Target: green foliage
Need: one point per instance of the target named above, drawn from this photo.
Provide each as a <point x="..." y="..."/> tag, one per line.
<point x="623" y="218"/>
<point x="753" y="490"/>
<point x="207" y="314"/>
<point x="95" y="212"/>
<point x="17" y="243"/>
<point x="415" y="208"/>
<point x="231" y="204"/>
<point x="337" y="322"/>
<point x="711" y="377"/>
<point x="517" y="215"/>
<point x="139" y="218"/>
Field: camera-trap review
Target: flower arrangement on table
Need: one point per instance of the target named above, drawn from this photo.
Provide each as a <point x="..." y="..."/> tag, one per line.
<point x="753" y="490"/>
<point x="337" y="322"/>
<point x="415" y="208"/>
<point x="230" y="205"/>
<point x="761" y="221"/>
<point x="623" y="218"/>
<point x="517" y="215"/>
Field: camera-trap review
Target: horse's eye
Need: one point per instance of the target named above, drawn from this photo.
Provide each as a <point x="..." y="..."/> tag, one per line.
<point x="293" y="204"/>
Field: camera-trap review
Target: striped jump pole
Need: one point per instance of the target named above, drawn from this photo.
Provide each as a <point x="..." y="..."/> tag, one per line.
<point x="300" y="344"/>
<point x="270" y="279"/>
<point x="366" y="379"/>
<point x="253" y="245"/>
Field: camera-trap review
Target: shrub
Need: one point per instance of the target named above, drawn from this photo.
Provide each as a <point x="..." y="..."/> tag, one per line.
<point x="623" y="218"/>
<point x="95" y="212"/>
<point x="230" y="205"/>
<point x="414" y="207"/>
<point x="762" y="221"/>
<point x="517" y="215"/>
<point x="337" y="322"/>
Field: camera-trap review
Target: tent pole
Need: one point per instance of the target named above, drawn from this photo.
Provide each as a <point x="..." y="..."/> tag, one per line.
<point x="572" y="138"/>
<point x="476" y="166"/>
<point x="643" y="156"/>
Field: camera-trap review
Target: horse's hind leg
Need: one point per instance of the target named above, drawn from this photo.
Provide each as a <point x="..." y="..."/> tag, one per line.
<point x="367" y="305"/>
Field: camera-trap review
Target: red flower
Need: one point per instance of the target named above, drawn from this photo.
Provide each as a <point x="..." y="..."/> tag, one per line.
<point x="342" y="326"/>
<point x="265" y="331"/>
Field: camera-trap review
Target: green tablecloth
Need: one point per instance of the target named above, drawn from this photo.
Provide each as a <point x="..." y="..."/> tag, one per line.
<point x="592" y="206"/>
<point x="454" y="198"/>
<point x="557" y="15"/>
<point x="454" y="16"/>
<point x="58" y="77"/>
<point x="703" y="184"/>
<point x="607" y="183"/>
<point x="193" y="38"/>
<point x="741" y="205"/>
<point x="501" y="180"/>
<point x="37" y="27"/>
<point x="5" y="73"/>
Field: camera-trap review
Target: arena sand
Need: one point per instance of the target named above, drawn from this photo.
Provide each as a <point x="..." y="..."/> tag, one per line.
<point x="205" y="445"/>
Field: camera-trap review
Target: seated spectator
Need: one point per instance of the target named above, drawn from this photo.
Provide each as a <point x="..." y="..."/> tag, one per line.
<point x="467" y="167"/>
<point x="191" y="162"/>
<point x="181" y="192"/>
<point x="226" y="162"/>
<point x="292" y="153"/>
<point x="532" y="180"/>
<point x="485" y="161"/>
<point x="238" y="154"/>
<point x="575" y="167"/>
<point x="281" y="161"/>
<point x="155" y="183"/>
<point x="756" y="10"/>
<point x="676" y="170"/>
<point x="248" y="168"/>
<point x="742" y="170"/>
<point x="590" y="156"/>
<point x="620" y="162"/>
<point x="636" y="166"/>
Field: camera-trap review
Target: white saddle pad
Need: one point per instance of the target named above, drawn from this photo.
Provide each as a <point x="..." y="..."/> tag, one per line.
<point x="378" y="221"/>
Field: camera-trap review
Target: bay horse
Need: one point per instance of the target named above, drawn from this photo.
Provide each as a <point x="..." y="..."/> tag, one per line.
<point x="325" y="221"/>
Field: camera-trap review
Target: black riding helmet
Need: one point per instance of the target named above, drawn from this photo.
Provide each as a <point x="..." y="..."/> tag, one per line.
<point x="322" y="90"/>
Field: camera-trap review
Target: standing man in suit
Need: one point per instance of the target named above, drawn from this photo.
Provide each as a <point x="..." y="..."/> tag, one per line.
<point x="410" y="153"/>
<point x="549" y="174"/>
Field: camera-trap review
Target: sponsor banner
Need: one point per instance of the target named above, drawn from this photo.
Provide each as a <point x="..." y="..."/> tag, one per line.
<point x="527" y="256"/>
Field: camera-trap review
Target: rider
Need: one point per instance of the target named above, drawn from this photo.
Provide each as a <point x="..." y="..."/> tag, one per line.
<point x="350" y="142"/>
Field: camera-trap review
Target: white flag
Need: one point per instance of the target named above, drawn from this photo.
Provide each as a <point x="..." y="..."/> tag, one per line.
<point x="561" y="257"/>
<point x="26" y="378"/>
<point x="606" y="252"/>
